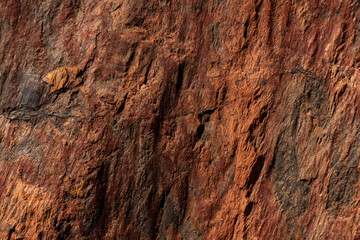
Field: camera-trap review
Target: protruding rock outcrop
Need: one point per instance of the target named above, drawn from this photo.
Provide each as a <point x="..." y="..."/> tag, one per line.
<point x="59" y="78"/>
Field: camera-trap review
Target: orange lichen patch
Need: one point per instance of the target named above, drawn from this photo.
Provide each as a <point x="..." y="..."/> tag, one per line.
<point x="59" y="77"/>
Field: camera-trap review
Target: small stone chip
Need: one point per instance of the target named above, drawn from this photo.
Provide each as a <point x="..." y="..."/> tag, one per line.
<point x="59" y="77"/>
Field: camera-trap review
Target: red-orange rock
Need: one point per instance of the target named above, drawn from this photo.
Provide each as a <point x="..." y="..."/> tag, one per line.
<point x="180" y="119"/>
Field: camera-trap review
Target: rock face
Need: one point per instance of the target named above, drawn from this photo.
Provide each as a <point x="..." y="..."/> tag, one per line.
<point x="179" y="119"/>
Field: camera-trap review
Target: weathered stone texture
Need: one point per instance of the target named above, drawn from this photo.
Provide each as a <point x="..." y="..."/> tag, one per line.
<point x="213" y="119"/>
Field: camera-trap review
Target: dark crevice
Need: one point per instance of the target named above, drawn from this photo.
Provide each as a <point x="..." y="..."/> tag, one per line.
<point x="131" y="58"/>
<point x="40" y="236"/>
<point x="117" y="7"/>
<point x="234" y="225"/>
<point x="204" y="117"/>
<point x="205" y="114"/>
<point x="11" y="231"/>
<point x="170" y="89"/>
<point x="199" y="132"/>
<point x="122" y="105"/>
<point x="248" y="208"/>
<point x="258" y="5"/>
<point x="100" y="215"/>
<point x="254" y="173"/>
<point x="63" y="229"/>
<point x="179" y="78"/>
<point x="147" y="73"/>
<point x="257" y="10"/>
<point x="87" y="65"/>
<point x="246" y="26"/>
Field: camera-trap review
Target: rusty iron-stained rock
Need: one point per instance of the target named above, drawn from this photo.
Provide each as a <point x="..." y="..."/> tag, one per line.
<point x="214" y="119"/>
<point x="58" y="78"/>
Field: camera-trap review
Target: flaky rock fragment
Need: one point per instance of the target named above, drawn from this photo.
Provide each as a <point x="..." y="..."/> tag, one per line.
<point x="59" y="77"/>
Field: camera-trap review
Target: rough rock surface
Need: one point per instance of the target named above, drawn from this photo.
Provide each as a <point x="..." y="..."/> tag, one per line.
<point x="212" y="119"/>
